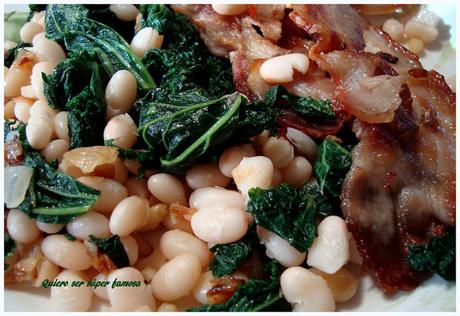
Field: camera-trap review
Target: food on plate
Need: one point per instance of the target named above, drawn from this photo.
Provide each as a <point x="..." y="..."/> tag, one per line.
<point x="225" y="157"/>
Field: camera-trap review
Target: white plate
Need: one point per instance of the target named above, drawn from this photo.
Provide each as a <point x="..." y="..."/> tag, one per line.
<point x="433" y="295"/>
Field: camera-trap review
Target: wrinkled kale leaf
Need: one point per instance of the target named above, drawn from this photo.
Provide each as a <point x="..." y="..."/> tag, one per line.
<point x="255" y="295"/>
<point x="112" y="247"/>
<point x="71" y="26"/>
<point x="52" y="196"/>
<point x="183" y="62"/>
<point x="9" y="248"/>
<point x="76" y="86"/>
<point x="436" y="256"/>
<point x="183" y="127"/>
<point x="332" y="164"/>
<point x="287" y="212"/>
<point x="228" y="257"/>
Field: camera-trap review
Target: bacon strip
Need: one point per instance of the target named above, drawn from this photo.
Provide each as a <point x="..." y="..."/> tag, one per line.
<point x="401" y="187"/>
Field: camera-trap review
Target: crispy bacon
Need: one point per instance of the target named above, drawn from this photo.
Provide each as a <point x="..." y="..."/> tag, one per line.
<point x="401" y="187"/>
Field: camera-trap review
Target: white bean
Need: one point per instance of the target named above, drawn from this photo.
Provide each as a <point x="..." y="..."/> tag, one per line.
<point x="60" y="125"/>
<point x="66" y="253"/>
<point x="253" y="172"/>
<point x="124" y="12"/>
<point x="37" y="79"/>
<point x="121" y="91"/>
<point x="101" y="291"/>
<point x="303" y="143"/>
<point x="279" y="150"/>
<point x="122" y="130"/>
<point x="176" y="278"/>
<point x="297" y="172"/>
<point x="47" y="50"/>
<point x="415" y="45"/>
<point x="215" y="196"/>
<point x="20" y="227"/>
<point x="424" y="32"/>
<point x="7" y="45"/>
<point x="280" y="249"/>
<point x="155" y="260"/>
<point x="39" y="132"/>
<point x="280" y="69"/>
<point x="229" y="9"/>
<point x="124" y="298"/>
<point x="91" y="223"/>
<point x="167" y="188"/>
<point x="394" y="28"/>
<point x="41" y="107"/>
<point x="38" y="16"/>
<point x="22" y="108"/>
<point x="330" y="250"/>
<point x="219" y="224"/>
<point x="29" y="30"/>
<point x="55" y="150"/>
<point x="277" y="178"/>
<point x="206" y="175"/>
<point x="306" y="291"/>
<point x="111" y="192"/>
<point x="232" y="156"/>
<point x="49" y="228"/>
<point x="128" y="215"/>
<point x="176" y="242"/>
<point x="71" y="298"/>
<point x="144" y="40"/>
<point x="131" y="248"/>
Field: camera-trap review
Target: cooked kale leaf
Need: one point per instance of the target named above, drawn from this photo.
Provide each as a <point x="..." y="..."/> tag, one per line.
<point x="436" y="256"/>
<point x="76" y="86"/>
<point x="52" y="196"/>
<point x="70" y="25"/>
<point x="302" y="105"/>
<point x="182" y="127"/>
<point x="332" y="164"/>
<point x="183" y="62"/>
<point x="9" y="248"/>
<point x="228" y="257"/>
<point x="255" y="295"/>
<point x="112" y="247"/>
<point x="287" y="212"/>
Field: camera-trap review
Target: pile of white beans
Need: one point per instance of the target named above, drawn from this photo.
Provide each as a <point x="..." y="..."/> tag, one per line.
<point x="420" y="30"/>
<point x="168" y="254"/>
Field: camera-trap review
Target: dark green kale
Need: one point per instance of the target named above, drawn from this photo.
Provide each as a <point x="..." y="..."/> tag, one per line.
<point x="255" y="295"/>
<point x="9" y="248"/>
<point x="302" y="105"/>
<point x="76" y="86"/>
<point x="323" y="205"/>
<point x="112" y="247"/>
<point x="182" y="127"/>
<point x="52" y="196"/>
<point x="13" y="53"/>
<point x="228" y="257"/>
<point x="183" y="62"/>
<point x="332" y="164"/>
<point x="287" y="212"/>
<point x="436" y="256"/>
<point x="72" y="26"/>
